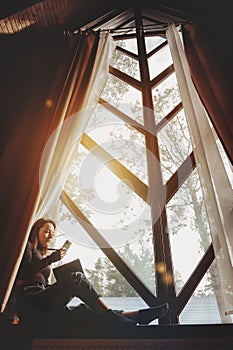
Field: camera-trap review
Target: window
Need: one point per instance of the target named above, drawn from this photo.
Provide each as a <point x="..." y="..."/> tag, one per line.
<point x="133" y="197"/>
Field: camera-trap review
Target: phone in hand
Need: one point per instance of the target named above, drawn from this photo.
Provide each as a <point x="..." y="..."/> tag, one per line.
<point x="66" y="245"/>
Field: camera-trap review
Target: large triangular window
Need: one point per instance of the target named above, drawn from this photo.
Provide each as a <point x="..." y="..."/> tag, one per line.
<point x="133" y="201"/>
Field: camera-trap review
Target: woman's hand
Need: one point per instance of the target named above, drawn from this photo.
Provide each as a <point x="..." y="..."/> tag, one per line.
<point x="56" y="256"/>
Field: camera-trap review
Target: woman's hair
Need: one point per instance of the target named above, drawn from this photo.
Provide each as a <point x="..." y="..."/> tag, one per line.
<point x="33" y="235"/>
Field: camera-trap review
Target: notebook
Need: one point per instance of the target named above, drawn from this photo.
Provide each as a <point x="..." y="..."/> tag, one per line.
<point x="62" y="271"/>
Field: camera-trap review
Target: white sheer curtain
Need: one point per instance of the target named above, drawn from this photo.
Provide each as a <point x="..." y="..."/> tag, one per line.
<point x="217" y="189"/>
<point x="63" y="144"/>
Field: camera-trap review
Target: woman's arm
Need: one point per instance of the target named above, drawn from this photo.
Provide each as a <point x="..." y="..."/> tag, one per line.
<point x="33" y="261"/>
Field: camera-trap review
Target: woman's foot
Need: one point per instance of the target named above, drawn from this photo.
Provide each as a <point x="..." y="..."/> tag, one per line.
<point x="145" y="316"/>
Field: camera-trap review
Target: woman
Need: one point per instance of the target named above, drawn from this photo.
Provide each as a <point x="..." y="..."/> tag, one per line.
<point x="36" y="298"/>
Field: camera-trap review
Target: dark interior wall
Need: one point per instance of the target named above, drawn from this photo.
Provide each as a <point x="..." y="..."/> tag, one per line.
<point x="87" y="10"/>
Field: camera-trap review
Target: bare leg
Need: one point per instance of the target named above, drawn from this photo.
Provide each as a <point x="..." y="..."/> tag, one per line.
<point x="144" y="316"/>
<point x="132" y="315"/>
<point x="100" y="307"/>
<point x="109" y="316"/>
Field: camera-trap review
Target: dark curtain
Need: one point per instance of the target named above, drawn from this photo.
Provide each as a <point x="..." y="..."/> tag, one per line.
<point x="208" y="47"/>
<point x="36" y="71"/>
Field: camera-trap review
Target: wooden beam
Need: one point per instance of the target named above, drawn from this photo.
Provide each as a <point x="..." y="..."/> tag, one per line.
<point x="139" y="187"/>
<point x="106" y="248"/>
<point x="162" y="76"/>
<point x="125" y="77"/>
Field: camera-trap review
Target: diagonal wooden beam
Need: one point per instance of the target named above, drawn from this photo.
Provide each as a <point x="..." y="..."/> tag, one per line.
<point x="156" y="49"/>
<point x="180" y="176"/>
<point x="116" y="167"/>
<point x="162" y="76"/>
<point x="195" y="278"/>
<point x="106" y="248"/>
<point x="122" y="116"/>
<point x="125" y="77"/>
<point x="127" y="53"/>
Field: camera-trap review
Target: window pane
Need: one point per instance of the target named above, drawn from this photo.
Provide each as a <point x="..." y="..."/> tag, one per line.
<point x="159" y="61"/>
<point x="129" y="45"/>
<point x="125" y="64"/>
<point x="188" y="229"/>
<point x="120" y="215"/>
<point x="139" y="254"/>
<point x="109" y="203"/>
<point x="123" y="96"/>
<point x="153" y="42"/>
<point x="125" y="223"/>
<point x="166" y="96"/>
<point x="97" y="267"/>
<point x="126" y="303"/>
<point x="174" y="145"/>
<point x="206" y="305"/>
<point x="115" y="210"/>
<point x="123" y="142"/>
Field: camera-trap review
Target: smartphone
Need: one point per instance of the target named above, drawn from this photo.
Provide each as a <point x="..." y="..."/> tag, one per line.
<point x="66" y="245"/>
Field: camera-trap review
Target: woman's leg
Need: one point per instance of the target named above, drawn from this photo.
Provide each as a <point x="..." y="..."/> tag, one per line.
<point x="55" y="298"/>
<point x="100" y="307"/>
<point x="58" y="295"/>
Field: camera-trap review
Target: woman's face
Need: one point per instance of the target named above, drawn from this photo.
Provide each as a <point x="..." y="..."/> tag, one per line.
<point x="45" y="234"/>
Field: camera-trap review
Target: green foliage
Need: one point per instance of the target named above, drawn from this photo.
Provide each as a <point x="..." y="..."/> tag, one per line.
<point x="109" y="281"/>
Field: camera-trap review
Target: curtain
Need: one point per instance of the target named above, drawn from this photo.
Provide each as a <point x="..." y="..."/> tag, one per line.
<point x="38" y="73"/>
<point x="217" y="189"/>
<point x="208" y="49"/>
<point x="67" y="138"/>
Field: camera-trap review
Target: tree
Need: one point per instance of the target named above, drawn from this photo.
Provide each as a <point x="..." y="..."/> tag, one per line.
<point x="97" y="275"/>
<point x="108" y="280"/>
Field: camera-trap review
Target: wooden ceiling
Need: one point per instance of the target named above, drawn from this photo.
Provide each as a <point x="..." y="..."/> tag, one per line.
<point x="71" y="15"/>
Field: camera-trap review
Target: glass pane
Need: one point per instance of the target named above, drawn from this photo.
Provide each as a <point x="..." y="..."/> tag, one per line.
<point x="114" y="209"/>
<point x="72" y="184"/>
<point x="153" y="42"/>
<point x="111" y="284"/>
<point x="159" y="61"/>
<point x="166" y="96"/>
<point x="188" y="228"/>
<point x="109" y="280"/>
<point x="206" y="304"/>
<point x="174" y="145"/>
<point x="129" y="45"/>
<point x="114" y="288"/>
<point x="108" y="202"/>
<point x="123" y="142"/>
<point x="125" y="64"/>
<point x="121" y="216"/>
<point x="123" y="96"/>
<point x="82" y="246"/>
<point x="126" y="304"/>
<point x="138" y="254"/>
<point x="125" y="224"/>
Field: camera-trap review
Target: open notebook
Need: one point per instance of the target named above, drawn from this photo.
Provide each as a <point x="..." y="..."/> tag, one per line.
<point x="62" y="271"/>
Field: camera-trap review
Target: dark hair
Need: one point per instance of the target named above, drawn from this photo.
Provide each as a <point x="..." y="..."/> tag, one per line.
<point x="33" y="235"/>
